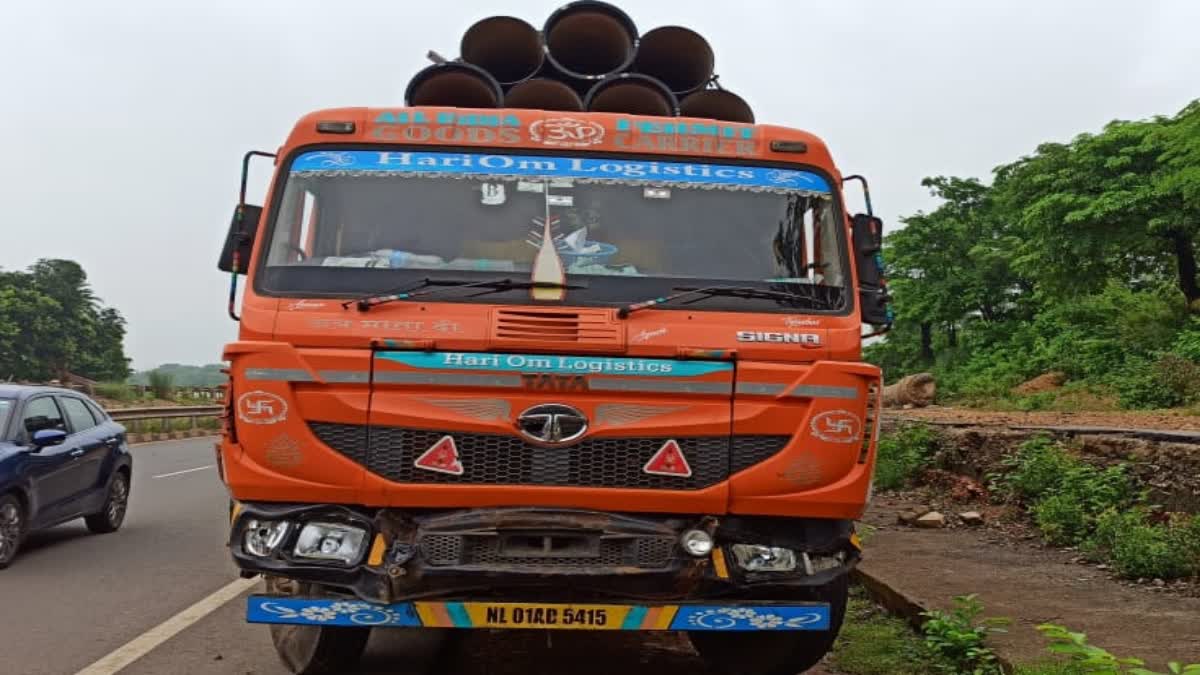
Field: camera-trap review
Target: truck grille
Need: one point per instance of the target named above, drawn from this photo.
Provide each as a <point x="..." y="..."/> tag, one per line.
<point x="496" y="459"/>
<point x="641" y="552"/>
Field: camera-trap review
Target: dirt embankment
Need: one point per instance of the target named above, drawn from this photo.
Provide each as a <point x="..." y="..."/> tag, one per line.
<point x="1168" y="465"/>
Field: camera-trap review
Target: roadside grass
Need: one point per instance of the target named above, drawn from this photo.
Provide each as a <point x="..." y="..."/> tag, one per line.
<point x="873" y="642"/>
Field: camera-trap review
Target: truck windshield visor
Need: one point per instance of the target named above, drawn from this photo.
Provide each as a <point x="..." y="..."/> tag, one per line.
<point x="358" y="221"/>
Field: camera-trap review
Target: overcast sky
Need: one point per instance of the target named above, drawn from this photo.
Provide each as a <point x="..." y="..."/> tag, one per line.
<point x="125" y="122"/>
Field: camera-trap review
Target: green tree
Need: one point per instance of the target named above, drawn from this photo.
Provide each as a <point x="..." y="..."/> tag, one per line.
<point x="51" y="324"/>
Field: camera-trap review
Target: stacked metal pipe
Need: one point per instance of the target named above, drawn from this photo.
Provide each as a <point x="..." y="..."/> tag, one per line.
<point x="587" y="56"/>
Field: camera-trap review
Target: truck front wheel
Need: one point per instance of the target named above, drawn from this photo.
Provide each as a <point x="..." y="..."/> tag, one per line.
<point x="775" y="653"/>
<point x="315" y="650"/>
<point x="319" y="650"/>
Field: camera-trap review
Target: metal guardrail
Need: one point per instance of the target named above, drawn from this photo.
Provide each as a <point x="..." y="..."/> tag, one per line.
<point x="136" y="418"/>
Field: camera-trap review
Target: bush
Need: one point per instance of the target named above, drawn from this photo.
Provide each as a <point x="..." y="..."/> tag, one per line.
<point x="956" y="639"/>
<point x="115" y="391"/>
<point x="1037" y="468"/>
<point x="1162" y="551"/>
<point x="1140" y="387"/>
<point x="1068" y="514"/>
<point x="903" y="455"/>
<point x="161" y="384"/>
<point x="1187" y="343"/>
<point x="1141" y="549"/>
<point x="1180" y="375"/>
<point x="1062" y="520"/>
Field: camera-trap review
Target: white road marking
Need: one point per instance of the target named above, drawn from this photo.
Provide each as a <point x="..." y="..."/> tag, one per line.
<point x="151" y="639"/>
<point x="180" y="473"/>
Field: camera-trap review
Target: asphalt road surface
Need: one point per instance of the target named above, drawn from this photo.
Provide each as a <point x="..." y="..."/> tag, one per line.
<point x="161" y="597"/>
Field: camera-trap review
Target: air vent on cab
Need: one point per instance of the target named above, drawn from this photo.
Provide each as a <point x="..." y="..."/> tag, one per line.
<point x="578" y="329"/>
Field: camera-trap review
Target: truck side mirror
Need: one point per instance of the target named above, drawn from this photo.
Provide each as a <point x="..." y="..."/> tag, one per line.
<point x="867" y="235"/>
<point x="240" y="239"/>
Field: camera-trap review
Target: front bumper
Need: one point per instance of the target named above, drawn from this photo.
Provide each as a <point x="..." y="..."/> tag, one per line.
<point x="493" y="555"/>
<point x="545" y="616"/>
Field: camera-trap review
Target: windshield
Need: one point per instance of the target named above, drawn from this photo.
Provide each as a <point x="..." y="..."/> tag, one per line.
<point x="360" y="221"/>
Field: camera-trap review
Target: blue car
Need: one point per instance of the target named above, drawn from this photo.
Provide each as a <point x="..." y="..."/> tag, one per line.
<point x="61" y="458"/>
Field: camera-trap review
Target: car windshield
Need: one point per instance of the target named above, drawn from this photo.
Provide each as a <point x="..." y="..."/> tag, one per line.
<point x="6" y="406"/>
<point x="361" y="221"/>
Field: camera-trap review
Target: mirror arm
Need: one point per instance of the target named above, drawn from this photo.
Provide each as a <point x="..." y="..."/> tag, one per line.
<point x="242" y="236"/>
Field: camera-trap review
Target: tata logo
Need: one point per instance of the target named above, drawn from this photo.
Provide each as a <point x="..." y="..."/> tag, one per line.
<point x="548" y="382"/>
<point x="261" y="407"/>
<point x="806" y="339"/>
<point x="552" y="424"/>
<point x="566" y="132"/>
<point x="837" y="426"/>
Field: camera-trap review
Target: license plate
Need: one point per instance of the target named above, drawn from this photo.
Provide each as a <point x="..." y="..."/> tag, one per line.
<point x="524" y="615"/>
<point x="539" y="615"/>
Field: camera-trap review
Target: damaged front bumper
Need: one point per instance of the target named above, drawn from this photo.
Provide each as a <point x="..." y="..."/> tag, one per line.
<point x="548" y="616"/>
<point x="557" y="556"/>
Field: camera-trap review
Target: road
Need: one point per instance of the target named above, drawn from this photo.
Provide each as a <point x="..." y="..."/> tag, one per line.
<point x="72" y="599"/>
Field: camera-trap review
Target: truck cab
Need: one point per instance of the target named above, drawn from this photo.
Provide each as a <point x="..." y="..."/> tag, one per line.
<point x="529" y="369"/>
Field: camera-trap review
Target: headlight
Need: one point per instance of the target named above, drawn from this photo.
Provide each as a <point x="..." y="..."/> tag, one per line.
<point x="756" y="558"/>
<point x="263" y="537"/>
<point x="331" y="541"/>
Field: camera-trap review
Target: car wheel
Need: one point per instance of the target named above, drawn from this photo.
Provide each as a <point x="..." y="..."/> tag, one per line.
<point x="112" y="514"/>
<point x="775" y="653"/>
<point x="12" y="528"/>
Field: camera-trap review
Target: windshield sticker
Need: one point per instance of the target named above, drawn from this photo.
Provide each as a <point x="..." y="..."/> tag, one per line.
<point x="570" y="365"/>
<point x="352" y="162"/>
<point x="493" y="194"/>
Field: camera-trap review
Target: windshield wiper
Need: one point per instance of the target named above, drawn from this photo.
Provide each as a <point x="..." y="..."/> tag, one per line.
<point x="723" y="291"/>
<point x="442" y="285"/>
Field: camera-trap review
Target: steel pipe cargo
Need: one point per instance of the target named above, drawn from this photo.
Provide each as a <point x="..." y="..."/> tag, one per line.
<point x="678" y="56"/>
<point x="633" y="94"/>
<point x="543" y="94"/>
<point x="716" y="104"/>
<point x="505" y="46"/>
<point x="589" y="40"/>
<point x="459" y="85"/>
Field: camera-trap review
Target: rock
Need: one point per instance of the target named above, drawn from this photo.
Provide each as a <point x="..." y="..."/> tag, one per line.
<point x="972" y="518"/>
<point x="910" y="515"/>
<point x="1160" y="583"/>
<point x="931" y="520"/>
<point x="1101" y="567"/>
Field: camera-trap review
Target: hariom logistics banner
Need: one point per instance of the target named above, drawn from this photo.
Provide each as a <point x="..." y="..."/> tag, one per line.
<point x="652" y="172"/>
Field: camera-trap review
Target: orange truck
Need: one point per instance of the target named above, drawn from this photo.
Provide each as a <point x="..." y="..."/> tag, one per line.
<point x="519" y="369"/>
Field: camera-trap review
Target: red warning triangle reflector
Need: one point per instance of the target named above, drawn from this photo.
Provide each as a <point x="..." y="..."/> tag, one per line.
<point x="441" y="458"/>
<point x="669" y="461"/>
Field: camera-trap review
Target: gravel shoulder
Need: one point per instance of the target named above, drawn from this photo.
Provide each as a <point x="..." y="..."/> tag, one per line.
<point x="1020" y="579"/>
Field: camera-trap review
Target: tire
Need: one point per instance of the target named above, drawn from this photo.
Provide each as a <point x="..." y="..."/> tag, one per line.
<point x="12" y="528"/>
<point x="775" y="653"/>
<point x="319" y="650"/>
<point x="315" y="650"/>
<point x="112" y="514"/>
